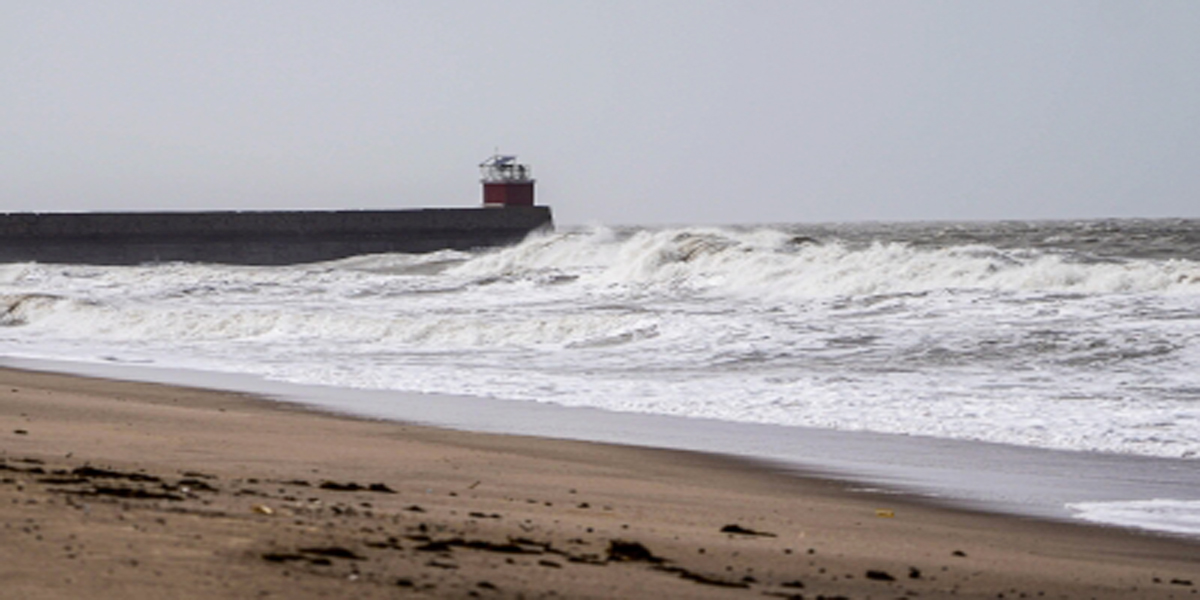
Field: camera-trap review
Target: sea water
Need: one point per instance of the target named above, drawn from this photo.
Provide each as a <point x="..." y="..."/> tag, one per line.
<point x="1078" y="336"/>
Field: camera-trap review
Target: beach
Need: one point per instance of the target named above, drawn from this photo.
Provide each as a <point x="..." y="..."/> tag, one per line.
<point x="137" y="490"/>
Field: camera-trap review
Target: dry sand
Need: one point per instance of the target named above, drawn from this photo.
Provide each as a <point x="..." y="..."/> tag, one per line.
<point x="128" y="490"/>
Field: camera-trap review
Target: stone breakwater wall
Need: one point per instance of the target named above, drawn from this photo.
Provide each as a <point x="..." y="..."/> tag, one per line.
<point x="257" y="238"/>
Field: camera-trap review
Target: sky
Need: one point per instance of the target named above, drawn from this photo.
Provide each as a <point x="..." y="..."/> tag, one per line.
<point x="629" y="112"/>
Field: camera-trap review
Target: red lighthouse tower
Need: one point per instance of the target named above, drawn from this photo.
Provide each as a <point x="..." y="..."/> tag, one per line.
<point x="506" y="182"/>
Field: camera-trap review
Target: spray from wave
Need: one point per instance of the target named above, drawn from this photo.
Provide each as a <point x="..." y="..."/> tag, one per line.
<point x="771" y="263"/>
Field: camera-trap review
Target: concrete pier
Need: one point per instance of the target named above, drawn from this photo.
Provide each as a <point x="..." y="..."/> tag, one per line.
<point x="257" y="238"/>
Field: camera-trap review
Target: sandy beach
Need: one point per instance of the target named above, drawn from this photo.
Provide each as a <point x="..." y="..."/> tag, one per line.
<point x="135" y="490"/>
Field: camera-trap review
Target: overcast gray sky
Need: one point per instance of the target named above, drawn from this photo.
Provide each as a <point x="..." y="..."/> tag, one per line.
<point x="690" y="111"/>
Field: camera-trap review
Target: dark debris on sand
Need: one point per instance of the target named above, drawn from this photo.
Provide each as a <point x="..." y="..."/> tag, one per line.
<point x="327" y="532"/>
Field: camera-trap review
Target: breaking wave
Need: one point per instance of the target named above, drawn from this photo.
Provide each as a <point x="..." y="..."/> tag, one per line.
<point x="769" y="263"/>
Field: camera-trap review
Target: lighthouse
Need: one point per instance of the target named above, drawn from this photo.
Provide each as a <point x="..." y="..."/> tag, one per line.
<point x="506" y="182"/>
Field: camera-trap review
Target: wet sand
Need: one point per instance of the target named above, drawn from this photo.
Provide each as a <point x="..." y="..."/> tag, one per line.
<point x="135" y="490"/>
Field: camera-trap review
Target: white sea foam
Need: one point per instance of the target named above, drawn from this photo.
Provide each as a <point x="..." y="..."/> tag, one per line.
<point x="1047" y="348"/>
<point x="1175" y="516"/>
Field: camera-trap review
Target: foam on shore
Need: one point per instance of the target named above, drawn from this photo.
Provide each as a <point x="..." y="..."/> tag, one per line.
<point x="1177" y="516"/>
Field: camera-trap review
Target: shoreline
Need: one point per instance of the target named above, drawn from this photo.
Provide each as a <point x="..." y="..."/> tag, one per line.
<point x="149" y="490"/>
<point x="983" y="476"/>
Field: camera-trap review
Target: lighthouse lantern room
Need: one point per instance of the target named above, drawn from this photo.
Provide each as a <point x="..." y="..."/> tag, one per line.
<point x="506" y="182"/>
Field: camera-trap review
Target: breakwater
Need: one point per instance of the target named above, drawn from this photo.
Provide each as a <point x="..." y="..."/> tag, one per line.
<point x="257" y="237"/>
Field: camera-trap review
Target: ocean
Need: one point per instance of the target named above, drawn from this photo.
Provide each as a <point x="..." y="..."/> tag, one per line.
<point x="1079" y="337"/>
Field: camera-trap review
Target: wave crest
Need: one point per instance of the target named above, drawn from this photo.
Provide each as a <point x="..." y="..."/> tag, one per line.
<point x="771" y="263"/>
